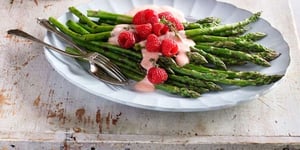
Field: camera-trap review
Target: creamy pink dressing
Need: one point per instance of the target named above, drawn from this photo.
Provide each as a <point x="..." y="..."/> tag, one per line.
<point x="144" y="86"/>
<point x="183" y="43"/>
<point x="148" y="58"/>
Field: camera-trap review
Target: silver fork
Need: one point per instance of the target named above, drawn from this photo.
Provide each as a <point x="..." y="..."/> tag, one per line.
<point x="105" y="62"/>
<point x="92" y="57"/>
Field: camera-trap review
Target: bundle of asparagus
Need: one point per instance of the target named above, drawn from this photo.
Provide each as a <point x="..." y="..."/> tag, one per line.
<point x="218" y="46"/>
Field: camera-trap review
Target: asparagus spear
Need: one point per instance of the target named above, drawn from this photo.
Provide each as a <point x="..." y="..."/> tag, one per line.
<point x="253" y="36"/>
<point x="196" y="58"/>
<point x="97" y="29"/>
<point x="195" y="25"/>
<point x="214" y="77"/>
<point x="118" y="49"/>
<point x="224" y="52"/>
<point x="268" y="55"/>
<point x="200" y="90"/>
<point x="76" y="28"/>
<point x="195" y="82"/>
<point x="232" y="61"/>
<point x="205" y="20"/>
<point x="235" y="74"/>
<point x="85" y="37"/>
<point x="82" y="17"/>
<point x="179" y="91"/>
<point x="117" y="18"/>
<point x="211" y="58"/>
<point x="192" y="25"/>
<point x="247" y="47"/>
<point x="238" y="43"/>
<point x="232" y="32"/>
<point x="194" y="32"/>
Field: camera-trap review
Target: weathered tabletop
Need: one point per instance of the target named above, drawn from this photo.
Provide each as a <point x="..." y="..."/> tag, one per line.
<point x="39" y="109"/>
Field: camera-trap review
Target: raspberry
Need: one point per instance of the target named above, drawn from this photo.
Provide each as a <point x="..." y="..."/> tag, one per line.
<point x="126" y="39"/>
<point x="169" y="47"/>
<point x="157" y="75"/>
<point x="168" y="16"/>
<point x="143" y="30"/>
<point x="153" y="43"/>
<point x="139" y="18"/>
<point x="145" y="16"/>
<point x="160" y="29"/>
<point x="165" y="14"/>
<point x="151" y="16"/>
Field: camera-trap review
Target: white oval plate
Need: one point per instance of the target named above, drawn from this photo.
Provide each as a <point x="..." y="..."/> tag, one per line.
<point x="76" y="73"/>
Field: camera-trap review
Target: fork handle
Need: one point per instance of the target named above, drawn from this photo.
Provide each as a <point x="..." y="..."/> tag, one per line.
<point x="46" y="24"/>
<point x="23" y="34"/>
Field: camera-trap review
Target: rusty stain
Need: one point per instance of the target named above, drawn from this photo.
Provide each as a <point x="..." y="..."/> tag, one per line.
<point x="115" y="120"/>
<point x="88" y="119"/>
<point x="52" y="123"/>
<point x="17" y="68"/>
<point x="51" y="93"/>
<point x="54" y="110"/>
<point x="17" y="40"/>
<point x="46" y="6"/>
<point x="3" y="100"/>
<point x="36" y="2"/>
<point x="27" y="61"/>
<point x="4" y="148"/>
<point x="107" y="120"/>
<point x="36" y="102"/>
<point x="11" y="1"/>
<point x="234" y="117"/>
<point x="84" y="120"/>
<point x="99" y="120"/>
<point x="80" y="113"/>
<point x="60" y="115"/>
<point x="66" y="146"/>
<point x="201" y="127"/>
<point x="58" y="105"/>
<point x="8" y="36"/>
<point x="51" y="114"/>
<point x="98" y="116"/>
<point x="77" y="129"/>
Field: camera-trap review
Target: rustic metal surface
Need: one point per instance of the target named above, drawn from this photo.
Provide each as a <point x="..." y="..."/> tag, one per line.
<point x="39" y="109"/>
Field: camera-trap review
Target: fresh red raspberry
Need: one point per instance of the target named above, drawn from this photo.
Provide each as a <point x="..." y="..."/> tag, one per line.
<point x="169" y="17"/>
<point x="143" y="30"/>
<point x="151" y="16"/>
<point x="157" y="75"/>
<point x="126" y="39"/>
<point x="165" y="14"/>
<point x="169" y="47"/>
<point x="145" y="16"/>
<point x="160" y="29"/>
<point x="153" y="43"/>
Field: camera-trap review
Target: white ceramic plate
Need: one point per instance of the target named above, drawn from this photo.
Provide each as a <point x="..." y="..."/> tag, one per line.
<point x="76" y="72"/>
